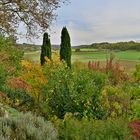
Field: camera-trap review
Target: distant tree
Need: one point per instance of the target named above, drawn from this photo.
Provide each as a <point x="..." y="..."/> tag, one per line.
<point x="45" y="49"/>
<point x="77" y="50"/>
<point x="65" y="47"/>
<point x="36" y="15"/>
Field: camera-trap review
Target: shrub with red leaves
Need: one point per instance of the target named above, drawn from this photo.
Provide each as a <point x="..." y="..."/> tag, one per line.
<point x="2" y="95"/>
<point x="113" y="69"/>
<point x="18" y="83"/>
<point x="135" y="127"/>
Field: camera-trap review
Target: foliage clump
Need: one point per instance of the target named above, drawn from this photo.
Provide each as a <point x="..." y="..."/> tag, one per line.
<point x="45" y="49"/>
<point x="115" y="101"/>
<point x="137" y="73"/>
<point x="65" y="47"/>
<point x="90" y="129"/>
<point x="67" y="91"/>
<point x="116" y="74"/>
<point x="10" y="59"/>
<point x="26" y="126"/>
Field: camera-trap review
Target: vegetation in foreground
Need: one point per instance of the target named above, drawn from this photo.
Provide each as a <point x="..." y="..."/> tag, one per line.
<point x="72" y="104"/>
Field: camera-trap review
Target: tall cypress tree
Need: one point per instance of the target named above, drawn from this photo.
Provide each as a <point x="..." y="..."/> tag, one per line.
<point x="45" y="48"/>
<point x="65" y="47"/>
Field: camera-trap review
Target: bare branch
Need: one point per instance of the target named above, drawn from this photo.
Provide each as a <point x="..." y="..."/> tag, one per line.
<point x="35" y="14"/>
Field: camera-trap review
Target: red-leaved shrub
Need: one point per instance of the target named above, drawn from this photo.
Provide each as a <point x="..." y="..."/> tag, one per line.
<point x="135" y="127"/>
<point x="113" y="69"/>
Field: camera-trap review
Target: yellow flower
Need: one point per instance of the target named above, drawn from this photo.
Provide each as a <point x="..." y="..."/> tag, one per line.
<point x="26" y="64"/>
<point x="113" y="114"/>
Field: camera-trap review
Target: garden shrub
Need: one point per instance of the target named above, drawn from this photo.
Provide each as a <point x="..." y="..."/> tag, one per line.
<point x="137" y="73"/>
<point x="7" y="111"/>
<point x="70" y="91"/>
<point x="3" y="112"/>
<point x="116" y="74"/>
<point x="87" y="87"/>
<point x="133" y="89"/>
<point x="135" y="106"/>
<point x="31" y="79"/>
<point x="135" y="128"/>
<point x="27" y="126"/>
<point x="115" y="101"/>
<point x="10" y="59"/>
<point x="2" y="76"/>
<point x="18" y="99"/>
<point x="89" y="129"/>
<point x="56" y="97"/>
<point x="10" y="56"/>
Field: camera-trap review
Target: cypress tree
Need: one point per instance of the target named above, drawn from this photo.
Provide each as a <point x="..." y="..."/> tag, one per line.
<point x="45" y="48"/>
<point x="65" y="47"/>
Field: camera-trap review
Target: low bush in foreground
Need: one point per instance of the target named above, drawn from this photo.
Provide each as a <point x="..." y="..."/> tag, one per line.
<point x="26" y="127"/>
<point x="75" y="92"/>
<point x="111" y="129"/>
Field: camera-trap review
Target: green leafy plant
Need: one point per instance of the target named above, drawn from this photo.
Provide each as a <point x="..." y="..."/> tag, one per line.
<point x="137" y="73"/>
<point x="69" y="91"/>
<point x="115" y="101"/>
<point x="90" y="129"/>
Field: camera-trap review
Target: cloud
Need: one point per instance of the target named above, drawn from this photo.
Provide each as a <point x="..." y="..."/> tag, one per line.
<point x="98" y="20"/>
<point x="101" y="20"/>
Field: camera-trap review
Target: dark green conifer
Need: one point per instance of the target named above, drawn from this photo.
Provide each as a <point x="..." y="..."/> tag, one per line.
<point x="65" y="47"/>
<point x="45" y="49"/>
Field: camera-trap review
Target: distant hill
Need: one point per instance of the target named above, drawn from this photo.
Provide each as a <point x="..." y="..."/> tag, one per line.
<point x="80" y="46"/>
<point x="131" y="45"/>
<point x="32" y="47"/>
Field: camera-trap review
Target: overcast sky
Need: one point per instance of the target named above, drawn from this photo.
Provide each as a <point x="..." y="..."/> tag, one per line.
<point x="91" y="21"/>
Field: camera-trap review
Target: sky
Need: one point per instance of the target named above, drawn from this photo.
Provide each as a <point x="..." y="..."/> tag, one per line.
<point x="90" y="21"/>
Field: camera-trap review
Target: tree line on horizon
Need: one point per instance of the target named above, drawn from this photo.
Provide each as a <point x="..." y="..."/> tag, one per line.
<point x="122" y="46"/>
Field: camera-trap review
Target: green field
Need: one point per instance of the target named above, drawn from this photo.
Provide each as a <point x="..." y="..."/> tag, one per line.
<point x="86" y="56"/>
<point x="35" y="56"/>
<point x="128" y="59"/>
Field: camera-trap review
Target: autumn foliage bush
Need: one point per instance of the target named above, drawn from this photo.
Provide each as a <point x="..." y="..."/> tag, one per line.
<point x="113" y="69"/>
<point x="82" y="103"/>
<point x="135" y="128"/>
<point x="10" y="59"/>
<point x="55" y="89"/>
<point x="115" y="101"/>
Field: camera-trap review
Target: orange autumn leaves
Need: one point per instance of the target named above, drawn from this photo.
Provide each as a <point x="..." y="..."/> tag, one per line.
<point x="32" y="77"/>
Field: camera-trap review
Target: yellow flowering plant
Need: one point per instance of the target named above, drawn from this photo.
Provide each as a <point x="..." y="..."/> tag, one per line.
<point x="32" y="73"/>
<point x="115" y="101"/>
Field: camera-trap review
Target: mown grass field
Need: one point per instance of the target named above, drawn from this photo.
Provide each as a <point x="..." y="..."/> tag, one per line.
<point x="86" y="55"/>
<point x="127" y="59"/>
